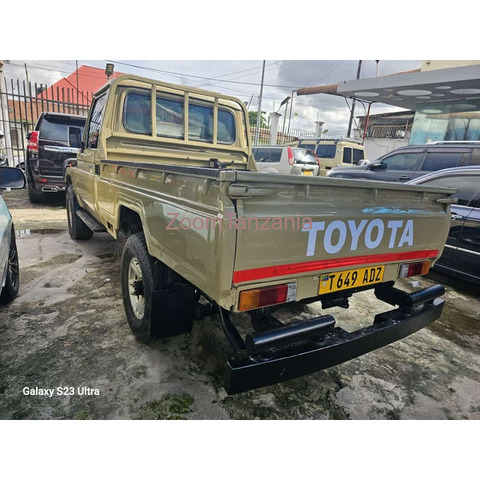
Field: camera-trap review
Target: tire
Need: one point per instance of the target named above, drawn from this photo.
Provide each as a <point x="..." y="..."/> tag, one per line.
<point x="12" y="282"/>
<point x="76" y="227"/>
<point x="157" y="304"/>
<point x="35" y="196"/>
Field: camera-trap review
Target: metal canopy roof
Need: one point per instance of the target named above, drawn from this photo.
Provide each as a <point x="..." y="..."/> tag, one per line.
<point x="408" y="89"/>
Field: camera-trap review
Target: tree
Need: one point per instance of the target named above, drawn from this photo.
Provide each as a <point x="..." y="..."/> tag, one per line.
<point x="252" y="119"/>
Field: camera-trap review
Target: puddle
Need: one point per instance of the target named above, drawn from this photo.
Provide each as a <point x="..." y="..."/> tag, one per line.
<point x="41" y="231"/>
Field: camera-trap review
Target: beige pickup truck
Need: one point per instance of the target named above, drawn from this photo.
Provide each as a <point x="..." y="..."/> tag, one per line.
<point x="170" y="167"/>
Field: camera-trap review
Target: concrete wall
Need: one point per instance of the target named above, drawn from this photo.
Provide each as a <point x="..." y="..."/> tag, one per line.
<point x="376" y="147"/>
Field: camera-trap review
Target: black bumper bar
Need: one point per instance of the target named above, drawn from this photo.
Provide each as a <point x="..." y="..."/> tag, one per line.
<point x="265" y="362"/>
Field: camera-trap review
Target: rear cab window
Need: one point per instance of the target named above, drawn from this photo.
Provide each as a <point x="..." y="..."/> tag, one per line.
<point x="170" y="118"/>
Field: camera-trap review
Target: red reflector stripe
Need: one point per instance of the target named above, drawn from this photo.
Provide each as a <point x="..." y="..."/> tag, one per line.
<point x="304" y="267"/>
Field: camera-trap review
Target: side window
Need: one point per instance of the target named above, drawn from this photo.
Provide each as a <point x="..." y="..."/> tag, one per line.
<point x="169" y="117"/>
<point x="326" y="151"/>
<point x="439" y="161"/>
<point x="467" y="187"/>
<point x="226" y="127"/>
<point x="403" y="161"/>
<point x="347" y="155"/>
<point x="358" y="155"/>
<point x="96" y="122"/>
<point x="137" y="115"/>
<point x="200" y="123"/>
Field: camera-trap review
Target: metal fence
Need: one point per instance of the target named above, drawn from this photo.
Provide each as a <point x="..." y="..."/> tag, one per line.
<point x="394" y="131"/>
<point x="291" y="136"/>
<point x="20" y="106"/>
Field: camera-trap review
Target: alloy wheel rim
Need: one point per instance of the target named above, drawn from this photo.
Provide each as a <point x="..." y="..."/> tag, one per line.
<point x="13" y="270"/>
<point x="135" y="288"/>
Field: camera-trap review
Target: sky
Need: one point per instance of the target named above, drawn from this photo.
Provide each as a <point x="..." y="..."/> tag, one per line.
<point x="242" y="79"/>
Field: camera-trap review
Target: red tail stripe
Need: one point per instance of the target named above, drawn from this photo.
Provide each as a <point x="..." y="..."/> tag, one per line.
<point x="325" y="265"/>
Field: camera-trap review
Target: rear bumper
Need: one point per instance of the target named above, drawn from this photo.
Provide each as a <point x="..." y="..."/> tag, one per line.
<point x="246" y="371"/>
<point x="49" y="183"/>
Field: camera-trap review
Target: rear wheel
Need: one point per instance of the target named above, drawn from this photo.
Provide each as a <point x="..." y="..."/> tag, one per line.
<point x="12" y="282"/>
<point x="157" y="302"/>
<point x="76" y="227"/>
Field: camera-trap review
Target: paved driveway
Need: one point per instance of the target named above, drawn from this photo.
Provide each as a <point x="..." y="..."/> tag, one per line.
<point x="67" y="332"/>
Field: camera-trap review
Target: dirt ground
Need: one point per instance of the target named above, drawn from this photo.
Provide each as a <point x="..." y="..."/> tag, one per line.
<point x="67" y="331"/>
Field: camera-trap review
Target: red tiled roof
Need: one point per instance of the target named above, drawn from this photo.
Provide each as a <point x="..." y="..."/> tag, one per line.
<point x="90" y="80"/>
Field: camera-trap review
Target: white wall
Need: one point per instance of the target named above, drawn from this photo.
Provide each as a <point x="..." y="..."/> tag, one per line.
<point x="376" y="147"/>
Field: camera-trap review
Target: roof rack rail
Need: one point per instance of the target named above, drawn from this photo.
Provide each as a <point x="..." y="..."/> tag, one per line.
<point x="455" y="142"/>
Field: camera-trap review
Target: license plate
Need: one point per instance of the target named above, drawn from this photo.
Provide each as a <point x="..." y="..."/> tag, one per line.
<point x="360" y="277"/>
<point x="307" y="172"/>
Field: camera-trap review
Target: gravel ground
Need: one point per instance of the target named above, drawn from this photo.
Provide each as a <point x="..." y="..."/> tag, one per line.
<point x="67" y="330"/>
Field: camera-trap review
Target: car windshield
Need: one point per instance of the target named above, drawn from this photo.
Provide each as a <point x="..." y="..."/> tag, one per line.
<point x="304" y="156"/>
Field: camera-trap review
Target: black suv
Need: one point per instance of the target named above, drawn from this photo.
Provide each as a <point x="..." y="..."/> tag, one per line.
<point x="408" y="163"/>
<point x="56" y="138"/>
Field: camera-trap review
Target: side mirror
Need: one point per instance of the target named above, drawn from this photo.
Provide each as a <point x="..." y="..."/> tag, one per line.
<point x="378" y="166"/>
<point x="11" y="177"/>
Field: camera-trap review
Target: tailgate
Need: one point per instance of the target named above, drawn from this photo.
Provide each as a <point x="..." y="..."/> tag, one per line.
<point x="298" y="227"/>
<point x="52" y="155"/>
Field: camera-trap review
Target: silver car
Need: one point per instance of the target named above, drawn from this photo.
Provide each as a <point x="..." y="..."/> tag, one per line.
<point x="9" y="271"/>
<point x="286" y="160"/>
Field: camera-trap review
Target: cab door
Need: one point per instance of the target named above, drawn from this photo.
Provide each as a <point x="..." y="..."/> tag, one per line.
<point x="87" y="158"/>
<point x="397" y="167"/>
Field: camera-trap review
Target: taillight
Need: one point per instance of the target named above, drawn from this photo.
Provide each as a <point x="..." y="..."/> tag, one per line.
<point x="33" y="141"/>
<point x="290" y="156"/>
<point x="265" y="296"/>
<point x="412" y="269"/>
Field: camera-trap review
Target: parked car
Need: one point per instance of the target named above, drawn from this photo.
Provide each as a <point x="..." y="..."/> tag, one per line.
<point x="284" y="159"/>
<point x="408" y="163"/>
<point x="334" y="153"/>
<point x="461" y="256"/>
<point x="9" y="270"/>
<point x="56" y="138"/>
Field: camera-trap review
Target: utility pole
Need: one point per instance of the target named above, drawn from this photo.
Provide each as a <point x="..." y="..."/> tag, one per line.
<point x="290" y="116"/>
<point x="259" y="114"/>
<point x="352" y="112"/>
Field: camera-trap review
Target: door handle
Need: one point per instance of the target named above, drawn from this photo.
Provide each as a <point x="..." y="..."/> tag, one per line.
<point x="404" y="177"/>
<point x="454" y="216"/>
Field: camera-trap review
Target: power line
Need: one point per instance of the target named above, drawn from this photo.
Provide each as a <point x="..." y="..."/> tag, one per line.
<point x="177" y="74"/>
